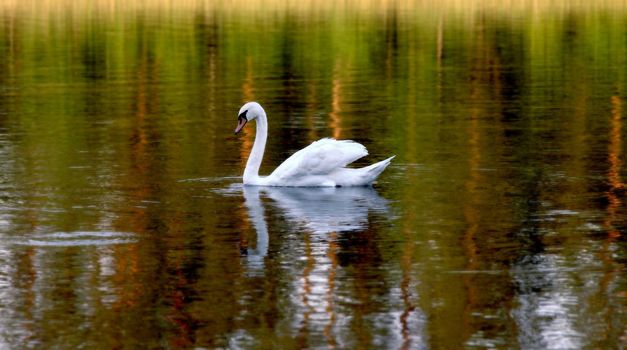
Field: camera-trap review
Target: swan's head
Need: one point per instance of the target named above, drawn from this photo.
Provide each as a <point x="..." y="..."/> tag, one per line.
<point x="249" y="111"/>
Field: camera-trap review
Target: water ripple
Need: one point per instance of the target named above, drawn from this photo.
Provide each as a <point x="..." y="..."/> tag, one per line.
<point x="77" y="238"/>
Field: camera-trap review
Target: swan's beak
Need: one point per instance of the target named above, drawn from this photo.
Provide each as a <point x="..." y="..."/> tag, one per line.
<point x="240" y="124"/>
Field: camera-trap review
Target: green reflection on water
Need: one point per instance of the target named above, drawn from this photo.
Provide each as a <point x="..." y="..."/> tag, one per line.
<point x="505" y="227"/>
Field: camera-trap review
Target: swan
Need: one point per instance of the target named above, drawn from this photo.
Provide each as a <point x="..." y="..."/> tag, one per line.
<point x="321" y="164"/>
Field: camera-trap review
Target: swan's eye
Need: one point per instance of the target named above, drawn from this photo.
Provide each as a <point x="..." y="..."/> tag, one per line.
<point x="243" y="115"/>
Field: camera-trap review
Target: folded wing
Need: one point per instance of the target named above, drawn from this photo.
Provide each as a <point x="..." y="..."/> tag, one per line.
<point x="320" y="158"/>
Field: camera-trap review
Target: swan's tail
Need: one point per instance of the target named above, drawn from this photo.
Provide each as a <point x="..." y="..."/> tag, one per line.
<point x="361" y="176"/>
<point x="371" y="172"/>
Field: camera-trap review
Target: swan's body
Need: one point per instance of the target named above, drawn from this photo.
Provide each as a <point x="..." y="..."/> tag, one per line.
<point x="321" y="164"/>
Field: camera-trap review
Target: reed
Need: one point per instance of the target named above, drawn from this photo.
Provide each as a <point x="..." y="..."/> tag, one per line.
<point x="313" y="7"/>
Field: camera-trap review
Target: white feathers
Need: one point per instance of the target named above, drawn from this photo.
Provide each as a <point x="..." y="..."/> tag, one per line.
<point x="320" y="158"/>
<point x="323" y="163"/>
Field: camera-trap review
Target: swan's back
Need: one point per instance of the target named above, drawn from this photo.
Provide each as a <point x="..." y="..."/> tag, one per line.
<point x="320" y="158"/>
<point x="323" y="163"/>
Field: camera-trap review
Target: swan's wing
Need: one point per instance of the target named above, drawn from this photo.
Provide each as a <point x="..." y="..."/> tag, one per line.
<point x="320" y="158"/>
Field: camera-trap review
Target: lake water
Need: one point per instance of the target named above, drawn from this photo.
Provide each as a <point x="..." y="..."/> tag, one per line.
<point x="500" y="223"/>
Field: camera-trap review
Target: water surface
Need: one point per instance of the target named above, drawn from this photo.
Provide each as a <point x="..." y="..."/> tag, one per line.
<point x="500" y="223"/>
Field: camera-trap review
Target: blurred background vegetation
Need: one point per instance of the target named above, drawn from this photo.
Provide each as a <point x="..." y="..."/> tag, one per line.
<point x="506" y="117"/>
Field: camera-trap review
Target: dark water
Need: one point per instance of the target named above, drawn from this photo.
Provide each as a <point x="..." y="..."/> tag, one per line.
<point x="500" y="224"/>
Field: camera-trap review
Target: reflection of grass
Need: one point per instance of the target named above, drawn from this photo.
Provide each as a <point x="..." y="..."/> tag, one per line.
<point x="64" y="54"/>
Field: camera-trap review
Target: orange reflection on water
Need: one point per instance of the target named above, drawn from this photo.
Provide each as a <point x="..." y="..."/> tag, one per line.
<point x="303" y="335"/>
<point x="612" y="269"/>
<point x="336" y="121"/>
<point x="312" y="105"/>
<point x="26" y="274"/>
<point x="471" y="213"/>
<point x="472" y="217"/>
<point x="126" y="271"/>
<point x="615" y="163"/>
<point x="332" y="255"/>
<point x="126" y="259"/>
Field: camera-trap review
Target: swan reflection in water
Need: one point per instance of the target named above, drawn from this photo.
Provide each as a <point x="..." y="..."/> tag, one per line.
<point x="315" y="210"/>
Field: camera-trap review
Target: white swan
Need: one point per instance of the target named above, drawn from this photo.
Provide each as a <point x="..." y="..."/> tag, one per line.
<point x="321" y="164"/>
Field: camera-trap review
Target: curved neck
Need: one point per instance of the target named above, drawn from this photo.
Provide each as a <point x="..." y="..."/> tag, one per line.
<point x="256" y="155"/>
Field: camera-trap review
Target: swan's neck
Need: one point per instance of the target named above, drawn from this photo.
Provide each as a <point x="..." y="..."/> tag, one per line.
<point x="251" y="173"/>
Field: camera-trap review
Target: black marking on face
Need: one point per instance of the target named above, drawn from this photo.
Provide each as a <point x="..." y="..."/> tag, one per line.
<point x="243" y="115"/>
<point x="241" y="121"/>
